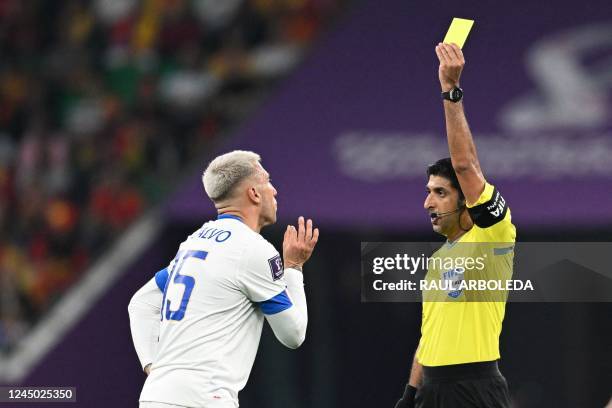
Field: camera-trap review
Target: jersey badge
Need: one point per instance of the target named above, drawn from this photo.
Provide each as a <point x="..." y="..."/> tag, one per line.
<point x="276" y="267"/>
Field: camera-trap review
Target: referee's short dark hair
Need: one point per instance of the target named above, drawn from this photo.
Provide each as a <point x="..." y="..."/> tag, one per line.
<point x="444" y="168"/>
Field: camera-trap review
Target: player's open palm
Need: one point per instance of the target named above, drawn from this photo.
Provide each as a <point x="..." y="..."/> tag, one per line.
<point x="299" y="244"/>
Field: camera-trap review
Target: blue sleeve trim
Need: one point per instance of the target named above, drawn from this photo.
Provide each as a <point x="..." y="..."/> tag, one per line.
<point x="276" y="304"/>
<point x="161" y="278"/>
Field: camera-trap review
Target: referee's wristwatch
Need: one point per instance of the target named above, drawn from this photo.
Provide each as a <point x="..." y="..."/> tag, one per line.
<point x="454" y="95"/>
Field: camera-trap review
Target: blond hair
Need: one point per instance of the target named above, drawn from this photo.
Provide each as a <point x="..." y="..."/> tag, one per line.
<point x="225" y="172"/>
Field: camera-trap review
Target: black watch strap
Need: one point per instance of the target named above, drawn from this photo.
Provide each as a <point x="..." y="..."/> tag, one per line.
<point x="454" y="95"/>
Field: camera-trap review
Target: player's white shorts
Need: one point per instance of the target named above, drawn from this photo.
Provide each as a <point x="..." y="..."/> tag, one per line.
<point x="214" y="404"/>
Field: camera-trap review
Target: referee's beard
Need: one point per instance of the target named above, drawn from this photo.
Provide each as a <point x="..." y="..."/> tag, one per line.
<point x="447" y="224"/>
<point x="453" y="226"/>
<point x="442" y="198"/>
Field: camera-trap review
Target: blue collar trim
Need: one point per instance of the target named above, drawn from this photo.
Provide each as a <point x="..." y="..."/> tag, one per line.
<point x="234" y="217"/>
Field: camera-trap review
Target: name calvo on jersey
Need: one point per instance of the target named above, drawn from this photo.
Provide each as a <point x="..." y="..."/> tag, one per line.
<point x="217" y="234"/>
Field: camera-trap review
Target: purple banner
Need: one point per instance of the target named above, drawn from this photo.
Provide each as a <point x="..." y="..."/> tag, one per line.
<point x="348" y="137"/>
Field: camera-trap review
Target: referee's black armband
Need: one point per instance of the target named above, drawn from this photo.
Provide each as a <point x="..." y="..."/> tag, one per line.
<point x="489" y="213"/>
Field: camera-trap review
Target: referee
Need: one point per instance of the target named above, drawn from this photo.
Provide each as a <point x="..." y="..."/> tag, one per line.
<point x="455" y="364"/>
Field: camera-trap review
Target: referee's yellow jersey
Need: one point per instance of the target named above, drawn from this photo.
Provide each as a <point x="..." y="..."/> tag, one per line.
<point x="455" y="330"/>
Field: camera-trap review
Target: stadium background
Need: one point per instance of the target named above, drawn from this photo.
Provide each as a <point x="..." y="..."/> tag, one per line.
<point x="109" y="110"/>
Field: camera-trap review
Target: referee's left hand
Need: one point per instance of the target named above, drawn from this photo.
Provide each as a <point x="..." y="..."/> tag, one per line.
<point x="407" y="400"/>
<point x="402" y="403"/>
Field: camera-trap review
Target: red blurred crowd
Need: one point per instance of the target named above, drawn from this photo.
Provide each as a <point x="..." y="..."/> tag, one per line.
<point x="102" y="104"/>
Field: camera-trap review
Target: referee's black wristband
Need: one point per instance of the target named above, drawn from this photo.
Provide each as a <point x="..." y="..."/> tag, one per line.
<point x="407" y="400"/>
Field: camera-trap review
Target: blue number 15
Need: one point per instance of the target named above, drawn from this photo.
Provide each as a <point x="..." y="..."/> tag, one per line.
<point x="175" y="278"/>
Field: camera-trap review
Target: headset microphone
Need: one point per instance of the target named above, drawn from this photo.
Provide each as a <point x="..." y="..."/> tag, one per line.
<point x="444" y="214"/>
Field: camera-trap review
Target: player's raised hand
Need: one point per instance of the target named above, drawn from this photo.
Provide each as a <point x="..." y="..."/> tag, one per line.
<point x="299" y="243"/>
<point x="451" y="65"/>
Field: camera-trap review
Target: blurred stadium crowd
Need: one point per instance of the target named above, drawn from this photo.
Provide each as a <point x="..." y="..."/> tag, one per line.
<point x="102" y="104"/>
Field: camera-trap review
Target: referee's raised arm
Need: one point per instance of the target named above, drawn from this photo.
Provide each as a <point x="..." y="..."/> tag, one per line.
<point x="460" y="143"/>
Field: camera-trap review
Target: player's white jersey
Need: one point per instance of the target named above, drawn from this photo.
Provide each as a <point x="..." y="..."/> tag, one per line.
<point x="211" y="317"/>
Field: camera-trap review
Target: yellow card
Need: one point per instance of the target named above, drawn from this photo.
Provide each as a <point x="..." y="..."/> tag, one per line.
<point x="458" y="31"/>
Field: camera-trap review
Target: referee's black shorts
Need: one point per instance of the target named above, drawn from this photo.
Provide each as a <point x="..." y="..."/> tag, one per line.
<point x="472" y="385"/>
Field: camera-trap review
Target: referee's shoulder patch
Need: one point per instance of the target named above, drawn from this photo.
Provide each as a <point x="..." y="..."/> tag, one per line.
<point x="276" y="267"/>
